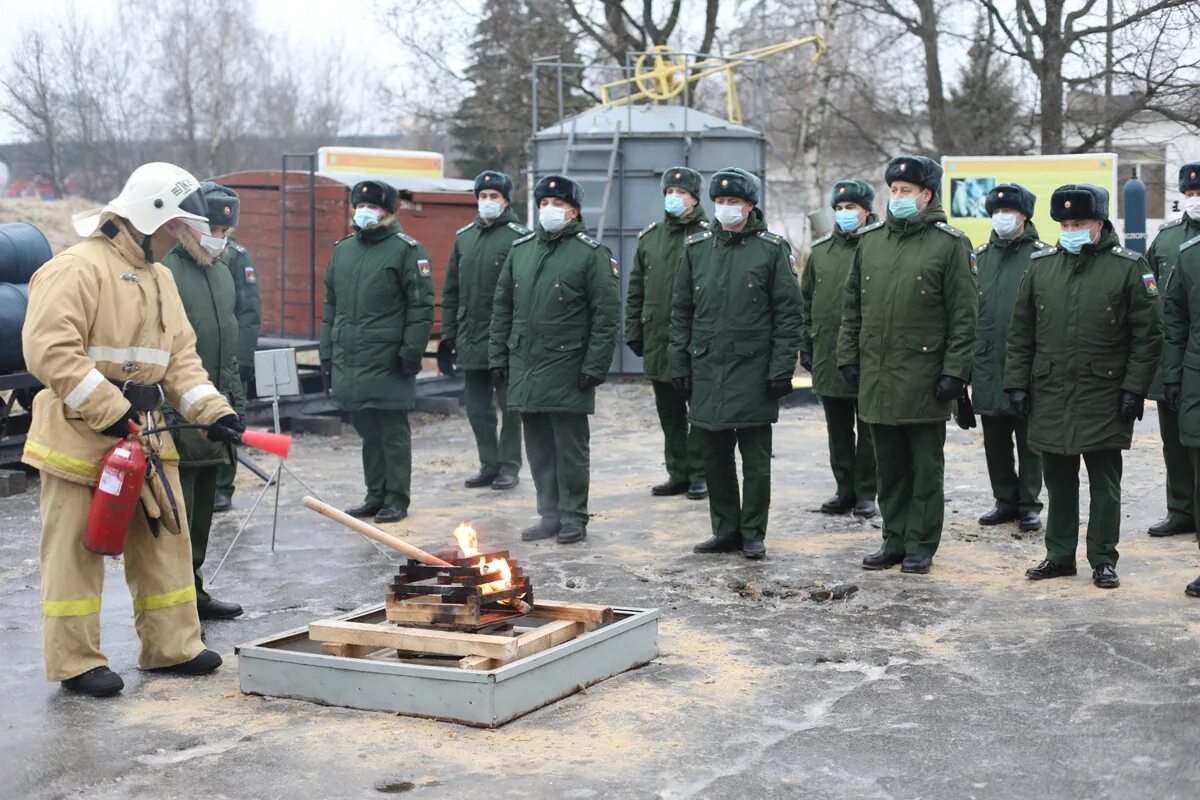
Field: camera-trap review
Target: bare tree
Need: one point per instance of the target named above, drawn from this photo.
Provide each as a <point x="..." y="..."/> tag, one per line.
<point x="619" y="31"/>
<point x="33" y="101"/>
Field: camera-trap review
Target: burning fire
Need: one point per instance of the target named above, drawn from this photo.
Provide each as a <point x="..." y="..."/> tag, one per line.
<point x="468" y="542"/>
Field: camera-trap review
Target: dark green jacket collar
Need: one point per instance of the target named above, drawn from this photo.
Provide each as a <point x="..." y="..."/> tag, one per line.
<point x="1028" y="235"/>
<point x="697" y="215"/>
<point x="756" y="223"/>
<point x="378" y="233"/>
<point x="849" y="237"/>
<point x="506" y="216"/>
<point x="932" y="214"/>
<point x="570" y="229"/>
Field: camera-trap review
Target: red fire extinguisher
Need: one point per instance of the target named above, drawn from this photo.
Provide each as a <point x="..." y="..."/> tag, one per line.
<point x="122" y="473"/>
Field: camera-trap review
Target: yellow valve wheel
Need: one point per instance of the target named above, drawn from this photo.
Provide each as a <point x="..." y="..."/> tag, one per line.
<point x="658" y="74"/>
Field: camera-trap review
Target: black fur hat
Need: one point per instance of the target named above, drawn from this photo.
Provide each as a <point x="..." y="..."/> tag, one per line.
<point x="1189" y="177"/>
<point x="490" y="179"/>
<point x="559" y="186"/>
<point x="685" y="178"/>
<point x="853" y="191"/>
<point x="1079" y="201"/>
<point x="924" y="172"/>
<point x="1010" y="195"/>
<point x="735" y="182"/>
<point x="224" y="206"/>
<point x="375" y="192"/>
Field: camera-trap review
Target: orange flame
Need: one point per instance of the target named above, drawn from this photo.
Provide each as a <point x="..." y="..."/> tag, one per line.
<point x="468" y="543"/>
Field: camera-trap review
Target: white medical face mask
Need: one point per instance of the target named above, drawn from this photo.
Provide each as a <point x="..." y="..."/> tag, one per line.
<point x="489" y="209"/>
<point x="552" y="218"/>
<point x="1191" y="207"/>
<point x="365" y="217"/>
<point x="1005" y="224"/>
<point x="212" y="245"/>
<point x="729" y="214"/>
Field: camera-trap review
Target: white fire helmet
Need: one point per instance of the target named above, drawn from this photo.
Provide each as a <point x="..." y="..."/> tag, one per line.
<point x="155" y="194"/>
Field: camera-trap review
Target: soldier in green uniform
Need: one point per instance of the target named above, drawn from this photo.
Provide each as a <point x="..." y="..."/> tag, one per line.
<point x="1181" y="354"/>
<point x="1001" y="263"/>
<point x="735" y="334"/>
<point x="1083" y="346"/>
<point x="479" y="252"/>
<point x="248" y="310"/>
<point x="822" y="286"/>
<point x="375" y="328"/>
<point x="554" y="329"/>
<point x="209" y="296"/>
<point x="1163" y="256"/>
<point x="647" y="321"/>
<point x="908" y="333"/>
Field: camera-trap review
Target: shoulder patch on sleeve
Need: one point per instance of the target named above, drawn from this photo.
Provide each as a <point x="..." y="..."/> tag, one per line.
<point x="404" y="237"/>
<point x="527" y="238"/>
<point x="1171" y="223"/>
<point x="1123" y="253"/>
<point x="773" y="238"/>
<point x="589" y="241"/>
<point x="464" y="228"/>
<point x="424" y="268"/>
<point x="950" y="229"/>
<point x="250" y="274"/>
<point x="1189" y="243"/>
<point x="872" y="227"/>
<point x="647" y="229"/>
<point x="822" y="240"/>
<point x="1049" y="251"/>
<point x="1151" y="284"/>
<point x="519" y="228"/>
<point x="699" y="237"/>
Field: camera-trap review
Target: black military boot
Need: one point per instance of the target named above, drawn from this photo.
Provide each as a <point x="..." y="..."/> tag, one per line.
<point x="1193" y="588"/>
<point x="505" y="482"/>
<point x="368" y="508"/>
<point x="865" y="509"/>
<point x="698" y="490"/>
<point x="480" y="479"/>
<point x="392" y="513"/>
<point x="208" y="608"/>
<point x="915" y="564"/>
<point x="1105" y="577"/>
<point x="715" y="545"/>
<point x="545" y="529"/>
<point x="222" y="503"/>
<point x="999" y="515"/>
<point x="1048" y="569"/>
<point x="1171" y="527"/>
<point x="96" y="682"/>
<point x="669" y="489"/>
<point x="570" y="533"/>
<point x="882" y="559"/>
<point x="837" y="505"/>
<point x="202" y="664"/>
<point x="754" y="548"/>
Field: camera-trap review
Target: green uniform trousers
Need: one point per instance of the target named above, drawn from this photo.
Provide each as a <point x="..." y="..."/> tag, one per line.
<point x="386" y="454"/>
<point x="497" y="456"/>
<point x="1181" y="476"/>
<point x="912" y="497"/>
<point x="681" y="450"/>
<point x="1104" y="507"/>
<point x="853" y="462"/>
<point x="558" y="446"/>
<point x="227" y="472"/>
<point x="1013" y="488"/>
<point x="199" y="486"/>
<point x="1194" y="462"/>
<point x="738" y="515"/>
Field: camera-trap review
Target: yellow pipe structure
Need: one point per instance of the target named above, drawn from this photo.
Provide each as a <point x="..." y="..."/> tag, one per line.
<point x="659" y="74"/>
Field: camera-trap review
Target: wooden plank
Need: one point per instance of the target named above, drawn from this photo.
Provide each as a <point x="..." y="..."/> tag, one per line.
<point x="477" y="662"/>
<point x="346" y="650"/>
<point x="580" y="612"/>
<point x="546" y="636"/>
<point x="421" y="641"/>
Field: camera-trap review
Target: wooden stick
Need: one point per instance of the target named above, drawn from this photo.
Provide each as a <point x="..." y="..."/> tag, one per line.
<point x="581" y="612"/>
<point x="417" y="640"/>
<point x="371" y="532"/>
<point x="547" y="636"/>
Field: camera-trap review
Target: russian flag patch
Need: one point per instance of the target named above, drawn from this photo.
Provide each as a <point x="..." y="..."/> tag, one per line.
<point x="616" y="268"/>
<point x="423" y="267"/>
<point x="1151" y="284"/>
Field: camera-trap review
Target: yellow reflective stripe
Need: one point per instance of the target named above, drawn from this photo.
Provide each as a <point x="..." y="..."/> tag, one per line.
<point x="169" y="455"/>
<point x="62" y="461"/>
<point x="71" y="608"/>
<point x="167" y="600"/>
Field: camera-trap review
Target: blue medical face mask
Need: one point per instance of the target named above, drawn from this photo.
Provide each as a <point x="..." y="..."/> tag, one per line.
<point x="1073" y="241"/>
<point x="903" y="207"/>
<point x="674" y="205"/>
<point x="847" y="219"/>
<point x="365" y="217"/>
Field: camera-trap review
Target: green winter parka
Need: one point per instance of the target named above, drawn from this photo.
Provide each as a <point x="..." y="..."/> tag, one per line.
<point x="822" y="287"/>
<point x="1001" y="264"/>
<point x="555" y="319"/>
<point x="1084" y="327"/>
<point x="470" y="289"/>
<point x="651" y="284"/>
<point x="248" y="308"/>
<point x="378" y="311"/>
<point x="735" y="324"/>
<point x="909" y="316"/>
<point x="1181" y="338"/>
<point x="1163" y="256"/>
<point x="209" y="296"/>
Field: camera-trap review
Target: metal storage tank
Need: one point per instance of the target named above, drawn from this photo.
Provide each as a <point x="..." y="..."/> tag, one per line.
<point x="647" y="141"/>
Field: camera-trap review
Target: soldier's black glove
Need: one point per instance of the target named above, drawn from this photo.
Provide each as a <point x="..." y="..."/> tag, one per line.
<point x="1130" y="405"/>
<point x="778" y="389"/>
<point x="948" y="388"/>
<point x="447" y="355"/>
<point x="806" y="361"/>
<point x="850" y="375"/>
<point x="964" y="411"/>
<point x="227" y="429"/>
<point x="683" y="387"/>
<point x="120" y="428"/>
<point x="500" y="374"/>
<point x="589" y="382"/>
<point x="638" y="347"/>
<point x="1018" y="401"/>
<point x="410" y="366"/>
<point x="1173" y="392"/>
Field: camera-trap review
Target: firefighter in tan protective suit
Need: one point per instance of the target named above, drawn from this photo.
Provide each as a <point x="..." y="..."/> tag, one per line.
<point x="107" y="334"/>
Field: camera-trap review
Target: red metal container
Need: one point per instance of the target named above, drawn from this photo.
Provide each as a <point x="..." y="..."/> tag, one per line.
<point x="122" y="473"/>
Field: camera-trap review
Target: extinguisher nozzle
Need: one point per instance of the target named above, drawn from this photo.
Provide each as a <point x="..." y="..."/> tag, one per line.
<point x="278" y="444"/>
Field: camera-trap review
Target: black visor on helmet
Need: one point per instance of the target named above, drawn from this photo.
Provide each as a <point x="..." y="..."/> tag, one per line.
<point x="195" y="203"/>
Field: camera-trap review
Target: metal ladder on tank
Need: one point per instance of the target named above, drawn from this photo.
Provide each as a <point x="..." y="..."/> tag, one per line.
<point x="285" y="189"/>
<point x="612" y="148"/>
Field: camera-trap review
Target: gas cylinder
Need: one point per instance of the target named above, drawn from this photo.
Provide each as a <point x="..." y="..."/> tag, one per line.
<point x="122" y="473"/>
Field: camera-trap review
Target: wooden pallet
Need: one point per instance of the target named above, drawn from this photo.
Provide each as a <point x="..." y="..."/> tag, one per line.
<point x="479" y="651"/>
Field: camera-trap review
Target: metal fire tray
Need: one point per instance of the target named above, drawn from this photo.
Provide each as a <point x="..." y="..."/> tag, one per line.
<point x="291" y="665"/>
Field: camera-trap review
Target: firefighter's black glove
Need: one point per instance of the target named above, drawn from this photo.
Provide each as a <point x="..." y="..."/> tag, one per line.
<point x="948" y="388"/>
<point x="779" y="389"/>
<point x="589" y="382"/>
<point x="227" y="429"/>
<point x="120" y="428"/>
<point x="1173" y="392"/>
<point x="1130" y="406"/>
<point x="410" y="366"/>
<point x="850" y="375"/>
<point x="683" y="387"/>
<point x="806" y="361"/>
<point x="1018" y="401"/>
<point x="500" y="374"/>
